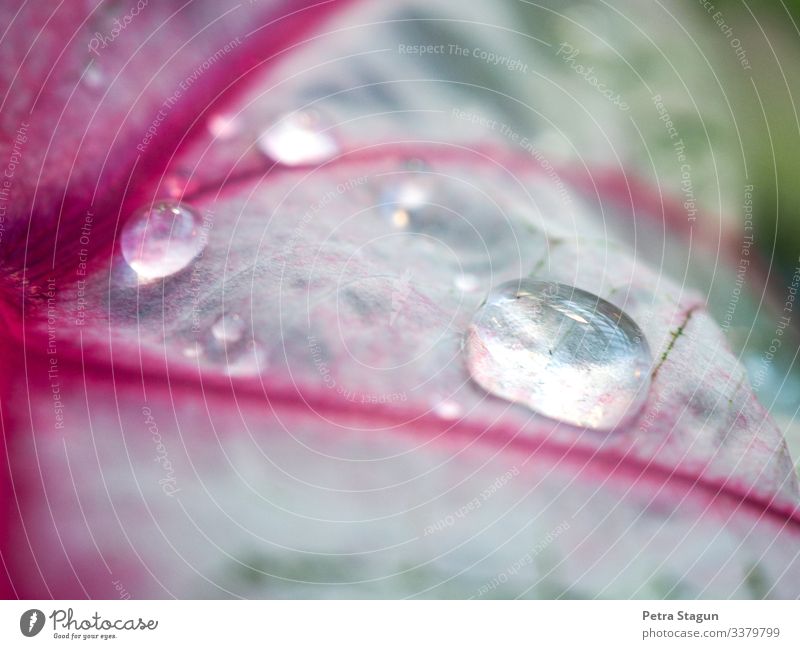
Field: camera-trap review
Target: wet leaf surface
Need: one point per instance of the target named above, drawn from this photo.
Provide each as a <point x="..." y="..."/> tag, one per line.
<point x="290" y="413"/>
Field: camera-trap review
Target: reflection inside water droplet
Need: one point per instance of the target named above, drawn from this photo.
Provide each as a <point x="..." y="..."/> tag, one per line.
<point x="299" y="139"/>
<point x="565" y="353"/>
<point x="162" y="240"/>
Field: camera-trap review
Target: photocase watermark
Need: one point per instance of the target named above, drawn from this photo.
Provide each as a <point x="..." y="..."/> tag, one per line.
<point x="278" y="262"/>
<point x="84" y="239"/>
<point x="652" y="413"/>
<point x="53" y="373"/>
<point x="122" y="592"/>
<point x="170" y="102"/>
<point x="748" y="239"/>
<point x="453" y="49"/>
<point x="31" y="622"/>
<point x="526" y="560"/>
<point x="102" y="41"/>
<point x="686" y="184"/>
<point x="64" y="620"/>
<point x="768" y="357"/>
<point x="474" y="504"/>
<point x="356" y="396"/>
<point x="66" y="626"/>
<point x="14" y="159"/>
<point x="525" y="143"/>
<point x="569" y="53"/>
<point x="168" y="483"/>
<point x="727" y="30"/>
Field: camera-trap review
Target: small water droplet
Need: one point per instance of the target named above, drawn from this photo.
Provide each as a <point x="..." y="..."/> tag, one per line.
<point x="299" y="139"/>
<point x="565" y="353"/>
<point x="228" y="329"/>
<point x="192" y="351"/>
<point x="179" y="183"/>
<point x="447" y="409"/>
<point x="223" y="127"/>
<point x="480" y="234"/>
<point x="403" y="202"/>
<point x="160" y="241"/>
<point x="93" y="77"/>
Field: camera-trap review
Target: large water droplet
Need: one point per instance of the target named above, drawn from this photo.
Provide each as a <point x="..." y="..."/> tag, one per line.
<point x="565" y="353"/>
<point x="160" y="241"/>
<point x="479" y="233"/>
<point x="299" y="139"/>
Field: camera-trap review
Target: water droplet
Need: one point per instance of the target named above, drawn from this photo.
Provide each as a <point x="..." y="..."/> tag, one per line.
<point x="447" y="409"/>
<point x="228" y="329"/>
<point x="403" y="202"/>
<point x="565" y="353"/>
<point x="455" y="213"/>
<point x="93" y="76"/>
<point x="192" y="351"/>
<point x="223" y="127"/>
<point x="178" y="183"/>
<point x="162" y="240"/>
<point x="299" y="139"/>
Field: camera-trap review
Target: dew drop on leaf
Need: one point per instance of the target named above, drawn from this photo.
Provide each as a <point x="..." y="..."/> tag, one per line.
<point x="228" y="329"/>
<point x="93" y="77"/>
<point x="223" y="127"/>
<point x="299" y="139"/>
<point x="563" y="352"/>
<point x="447" y="409"/>
<point x="192" y="351"/>
<point x="450" y="211"/>
<point x="161" y="240"/>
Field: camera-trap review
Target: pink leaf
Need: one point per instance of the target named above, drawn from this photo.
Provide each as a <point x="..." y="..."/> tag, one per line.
<point x="291" y="415"/>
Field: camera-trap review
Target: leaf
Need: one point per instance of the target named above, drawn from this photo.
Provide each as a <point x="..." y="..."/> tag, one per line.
<point x="340" y="448"/>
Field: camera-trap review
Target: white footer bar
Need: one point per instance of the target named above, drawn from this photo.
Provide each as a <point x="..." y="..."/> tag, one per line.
<point x="401" y="624"/>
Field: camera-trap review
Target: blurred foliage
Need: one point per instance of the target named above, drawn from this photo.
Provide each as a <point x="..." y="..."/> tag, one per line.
<point x="768" y="107"/>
